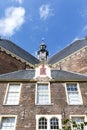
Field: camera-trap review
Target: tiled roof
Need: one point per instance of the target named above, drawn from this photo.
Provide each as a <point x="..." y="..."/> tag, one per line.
<point x="13" y="48"/>
<point x="72" y="48"/>
<point x="18" y="75"/>
<point x="61" y="75"/>
<point x="57" y="75"/>
<point x="75" y="46"/>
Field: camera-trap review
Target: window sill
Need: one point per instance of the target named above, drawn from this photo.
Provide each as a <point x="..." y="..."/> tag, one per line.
<point x="10" y="104"/>
<point x="75" y="104"/>
<point x="44" y="104"/>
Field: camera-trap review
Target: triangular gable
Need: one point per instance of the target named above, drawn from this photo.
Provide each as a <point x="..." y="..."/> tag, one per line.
<point x="42" y="71"/>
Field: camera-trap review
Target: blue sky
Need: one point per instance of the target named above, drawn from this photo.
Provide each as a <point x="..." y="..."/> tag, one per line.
<point x="58" y="22"/>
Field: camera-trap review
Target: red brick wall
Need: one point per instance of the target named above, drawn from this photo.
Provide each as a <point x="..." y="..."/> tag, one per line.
<point x="27" y="103"/>
<point x="9" y="63"/>
<point x="76" y="62"/>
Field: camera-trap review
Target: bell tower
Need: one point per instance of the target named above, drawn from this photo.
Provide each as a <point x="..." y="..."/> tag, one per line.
<point x="42" y="53"/>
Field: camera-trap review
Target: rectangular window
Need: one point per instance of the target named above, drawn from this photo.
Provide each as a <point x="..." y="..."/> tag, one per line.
<point x="7" y="123"/>
<point x="79" y="120"/>
<point x="13" y="93"/>
<point x="73" y="94"/>
<point x="43" y="94"/>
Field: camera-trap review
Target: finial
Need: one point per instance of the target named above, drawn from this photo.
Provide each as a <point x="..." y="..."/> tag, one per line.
<point x="43" y="41"/>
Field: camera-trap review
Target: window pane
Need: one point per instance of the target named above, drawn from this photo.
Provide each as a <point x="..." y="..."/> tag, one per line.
<point x="14" y="88"/>
<point x="42" y="123"/>
<point x="7" y="123"/>
<point x="42" y="86"/>
<point x="73" y="94"/>
<point x="54" y="124"/>
<point x="13" y="95"/>
<point x="72" y="87"/>
<point x="42" y="94"/>
<point x="74" y="98"/>
<point x="78" y="121"/>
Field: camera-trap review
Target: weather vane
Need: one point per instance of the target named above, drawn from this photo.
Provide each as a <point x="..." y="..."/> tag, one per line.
<point x="43" y="39"/>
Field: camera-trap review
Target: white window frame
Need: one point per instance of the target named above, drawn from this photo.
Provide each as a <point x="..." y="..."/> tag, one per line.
<point x="49" y="91"/>
<point x="83" y="116"/>
<point x="79" y="92"/>
<point x="48" y="117"/>
<point x="7" y="90"/>
<point x="8" y="116"/>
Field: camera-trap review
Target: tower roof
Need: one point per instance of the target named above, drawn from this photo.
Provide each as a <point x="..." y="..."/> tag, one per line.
<point x="42" y="53"/>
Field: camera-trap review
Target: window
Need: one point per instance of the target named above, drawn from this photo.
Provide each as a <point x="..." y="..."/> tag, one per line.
<point x="13" y="93"/>
<point x="42" y="123"/>
<point x="73" y="94"/>
<point x="7" y="123"/>
<point x="54" y="125"/>
<point x="43" y="94"/>
<point x="78" y="120"/>
<point x="48" y="122"/>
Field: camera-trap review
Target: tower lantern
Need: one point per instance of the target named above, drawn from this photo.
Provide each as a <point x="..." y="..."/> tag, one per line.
<point x="42" y="53"/>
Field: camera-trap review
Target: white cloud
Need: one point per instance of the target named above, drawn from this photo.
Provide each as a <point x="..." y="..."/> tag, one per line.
<point x="45" y="11"/>
<point x="13" y="20"/>
<point x="19" y="1"/>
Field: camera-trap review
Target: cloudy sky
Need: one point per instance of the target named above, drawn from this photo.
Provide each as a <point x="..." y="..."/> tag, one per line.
<point x="58" y="22"/>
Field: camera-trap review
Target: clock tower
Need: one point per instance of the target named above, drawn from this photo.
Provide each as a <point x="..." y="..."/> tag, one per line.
<point x="42" y="53"/>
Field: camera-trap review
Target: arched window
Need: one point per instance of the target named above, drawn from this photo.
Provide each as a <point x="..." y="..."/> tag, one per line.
<point x="42" y="123"/>
<point x="54" y="125"/>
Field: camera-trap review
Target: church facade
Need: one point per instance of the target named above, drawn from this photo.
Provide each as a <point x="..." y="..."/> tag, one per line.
<point x="39" y="93"/>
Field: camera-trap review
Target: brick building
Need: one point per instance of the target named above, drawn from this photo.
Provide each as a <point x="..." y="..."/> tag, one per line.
<point x="38" y="93"/>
